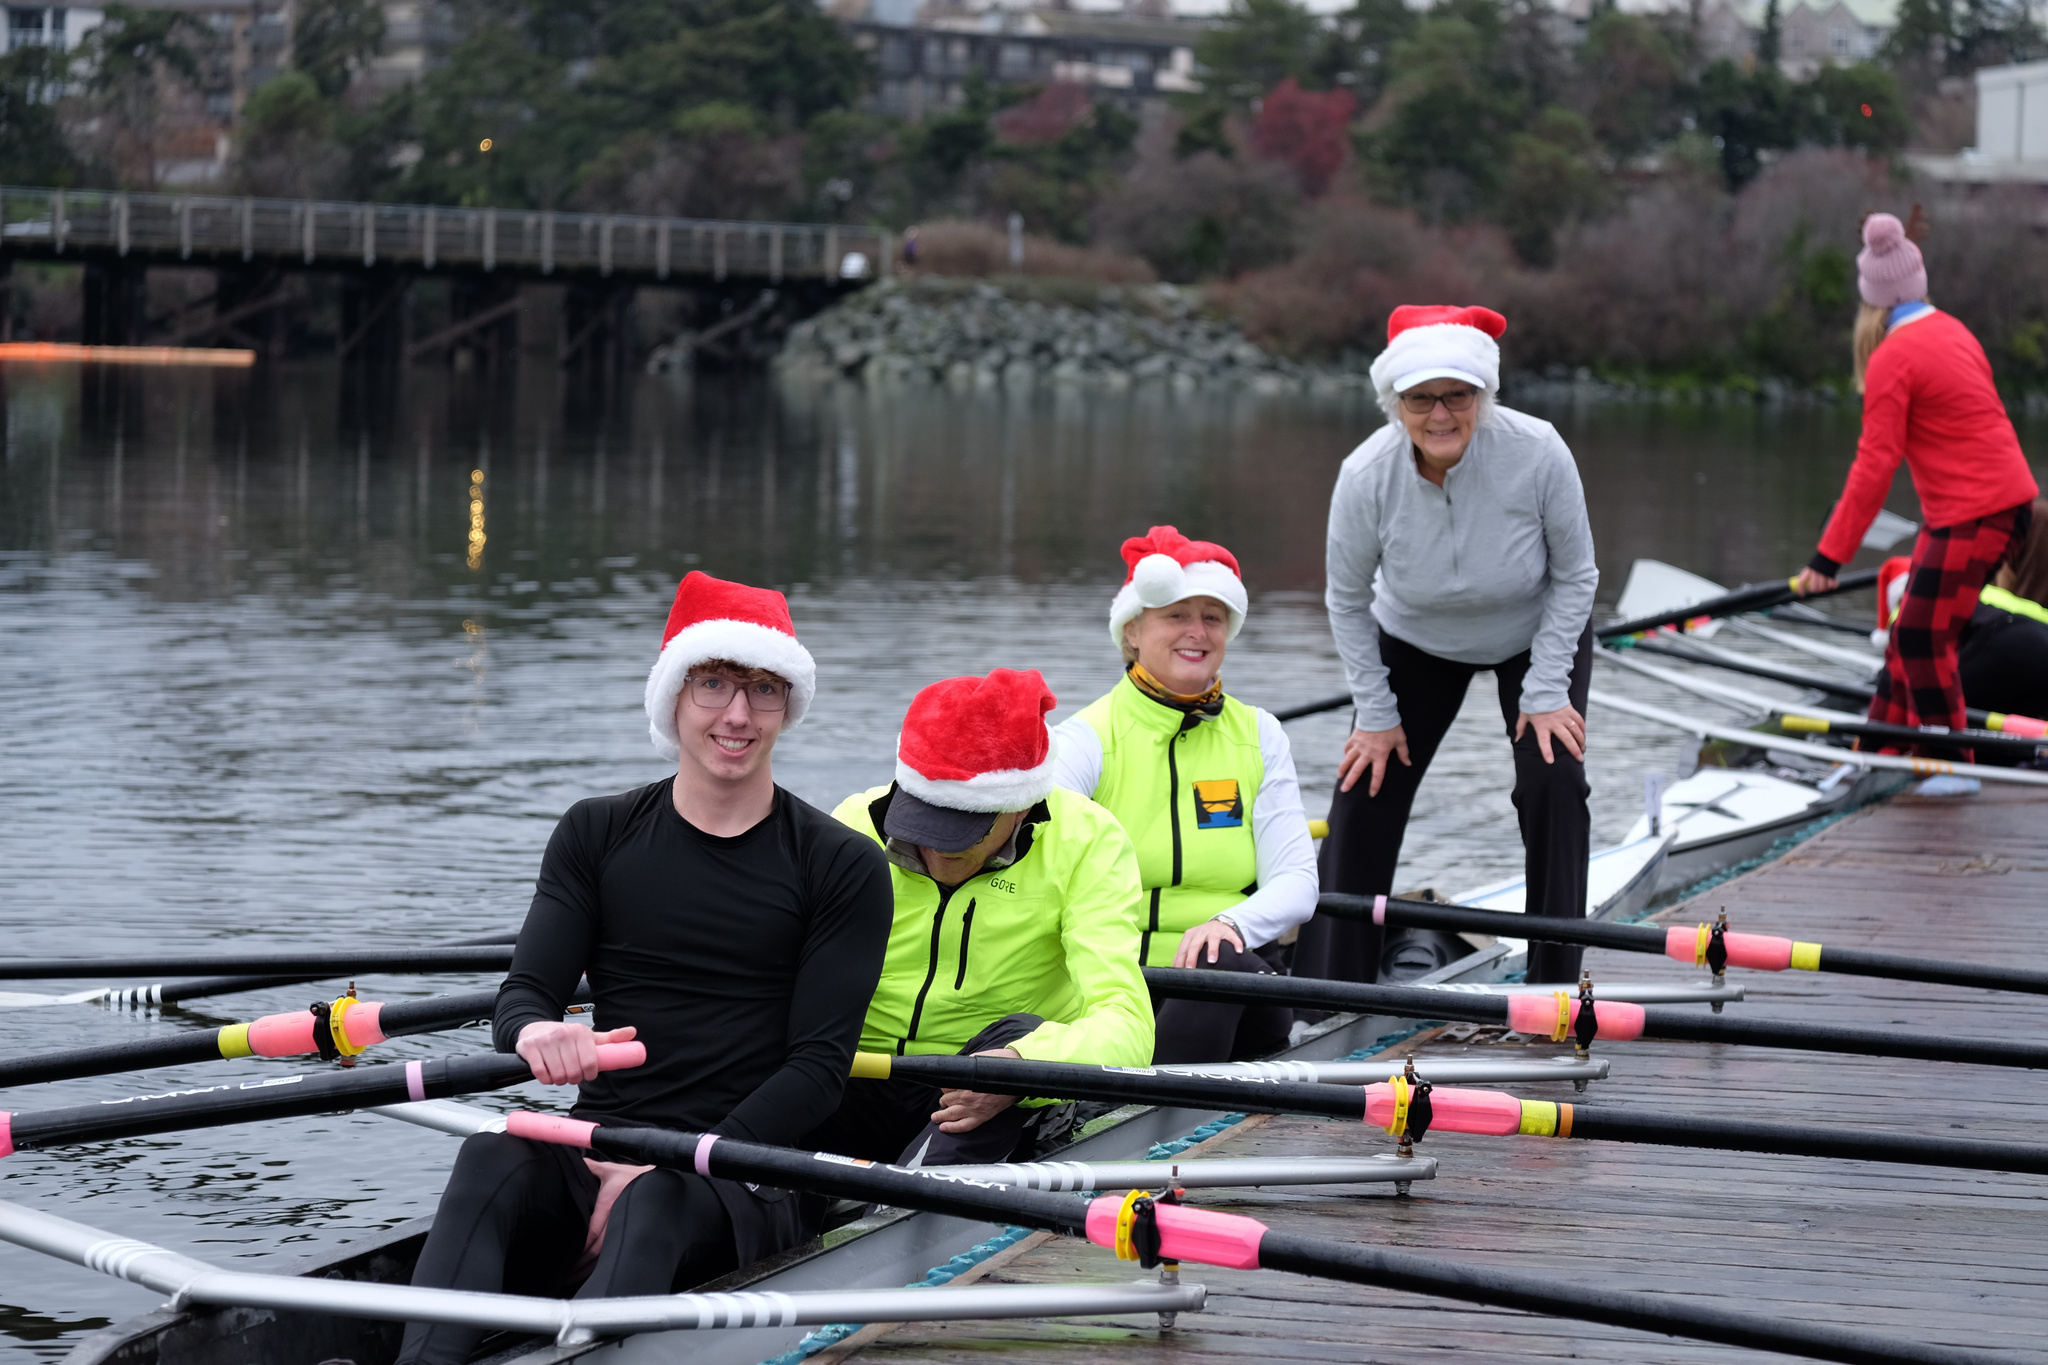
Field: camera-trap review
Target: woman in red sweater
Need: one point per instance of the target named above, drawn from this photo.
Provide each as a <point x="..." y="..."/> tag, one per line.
<point x="1927" y="399"/>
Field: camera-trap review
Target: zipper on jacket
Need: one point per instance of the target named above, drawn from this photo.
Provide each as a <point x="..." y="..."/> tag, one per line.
<point x="1173" y="797"/>
<point x="966" y="929"/>
<point x="931" y="970"/>
<point x="1145" y="939"/>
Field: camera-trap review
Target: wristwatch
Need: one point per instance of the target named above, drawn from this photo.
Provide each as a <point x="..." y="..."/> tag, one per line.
<point x="1225" y="919"/>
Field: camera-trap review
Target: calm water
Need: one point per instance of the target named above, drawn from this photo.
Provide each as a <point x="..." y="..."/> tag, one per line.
<point x="266" y="681"/>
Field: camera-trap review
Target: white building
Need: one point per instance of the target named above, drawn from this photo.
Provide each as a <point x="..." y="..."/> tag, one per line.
<point x="2012" y="131"/>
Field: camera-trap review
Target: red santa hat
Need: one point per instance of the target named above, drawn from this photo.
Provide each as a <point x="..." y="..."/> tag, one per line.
<point x="1438" y="341"/>
<point x="714" y="619"/>
<point x="978" y="744"/>
<point x="1891" y="589"/>
<point x="1163" y="566"/>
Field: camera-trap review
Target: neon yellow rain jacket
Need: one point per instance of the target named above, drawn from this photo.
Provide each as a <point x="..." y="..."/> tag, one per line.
<point x="1053" y="934"/>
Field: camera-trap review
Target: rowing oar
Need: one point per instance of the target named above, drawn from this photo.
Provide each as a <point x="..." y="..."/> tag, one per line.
<point x="1749" y="597"/>
<point x="1616" y="1021"/>
<point x="338" y="1031"/>
<point x="281" y="1097"/>
<point x="172" y="992"/>
<point x="1925" y="736"/>
<point x="1155" y="1231"/>
<point x="1392" y="1105"/>
<point x="1314" y="708"/>
<point x="1713" y="946"/>
<point x="299" y="966"/>
<point x="2025" y="727"/>
<point x="1898" y="763"/>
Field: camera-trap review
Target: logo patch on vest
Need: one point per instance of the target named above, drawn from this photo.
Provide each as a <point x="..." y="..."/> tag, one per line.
<point x="1217" y="805"/>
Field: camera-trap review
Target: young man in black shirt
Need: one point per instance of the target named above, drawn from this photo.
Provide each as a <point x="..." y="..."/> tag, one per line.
<point x="734" y="930"/>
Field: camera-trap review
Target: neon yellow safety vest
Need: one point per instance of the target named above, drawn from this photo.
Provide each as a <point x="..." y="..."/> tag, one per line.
<point x="2014" y="603"/>
<point x="1052" y="934"/>
<point x="1183" y="789"/>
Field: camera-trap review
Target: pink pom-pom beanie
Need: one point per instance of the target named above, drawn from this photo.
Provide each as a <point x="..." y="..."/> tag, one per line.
<point x="1889" y="270"/>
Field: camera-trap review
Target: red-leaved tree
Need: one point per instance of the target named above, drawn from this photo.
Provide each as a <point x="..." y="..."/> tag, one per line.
<point x="1306" y="129"/>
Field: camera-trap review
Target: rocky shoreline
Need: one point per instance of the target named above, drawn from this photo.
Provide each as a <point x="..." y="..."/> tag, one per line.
<point x="973" y="334"/>
<point x="1020" y="334"/>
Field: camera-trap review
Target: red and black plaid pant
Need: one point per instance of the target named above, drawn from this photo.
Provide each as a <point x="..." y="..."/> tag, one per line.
<point x="1920" y="684"/>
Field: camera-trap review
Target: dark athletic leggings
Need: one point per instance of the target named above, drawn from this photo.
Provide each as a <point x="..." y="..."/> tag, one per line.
<point x="514" y="1218"/>
<point x="1364" y="845"/>
<point x="892" y="1120"/>
<point x="1201" y="1031"/>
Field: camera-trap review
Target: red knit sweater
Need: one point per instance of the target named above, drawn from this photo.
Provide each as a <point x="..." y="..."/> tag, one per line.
<point x="1928" y="398"/>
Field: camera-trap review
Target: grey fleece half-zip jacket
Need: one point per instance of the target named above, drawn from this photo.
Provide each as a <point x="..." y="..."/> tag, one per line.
<point x="1498" y="560"/>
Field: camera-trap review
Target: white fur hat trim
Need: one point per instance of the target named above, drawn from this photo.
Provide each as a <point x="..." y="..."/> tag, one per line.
<point x="1161" y="580"/>
<point x="741" y="642"/>
<point x="993" y="792"/>
<point x="1440" y="350"/>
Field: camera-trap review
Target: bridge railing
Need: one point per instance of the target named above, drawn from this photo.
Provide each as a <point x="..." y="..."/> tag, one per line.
<point x="430" y="236"/>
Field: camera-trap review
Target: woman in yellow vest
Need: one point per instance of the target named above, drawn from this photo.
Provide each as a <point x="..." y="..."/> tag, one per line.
<point x="1205" y="787"/>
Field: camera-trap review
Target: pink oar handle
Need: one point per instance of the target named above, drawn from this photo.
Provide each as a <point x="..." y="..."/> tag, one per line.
<point x="6" y="1133"/>
<point x="1451" y="1110"/>
<point x="563" y="1132"/>
<point x="1202" y="1236"/>
<point x="1619" y="1022"/>
<point x="620" y="1056"/>
<point x="2026" y="727"/>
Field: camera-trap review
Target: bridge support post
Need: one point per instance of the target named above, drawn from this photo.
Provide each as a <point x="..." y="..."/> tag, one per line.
<point x="116" y="302"/>
<point x="597" y="326"/>
<point x="492" y="343"/>
<point x="373" y="316"/>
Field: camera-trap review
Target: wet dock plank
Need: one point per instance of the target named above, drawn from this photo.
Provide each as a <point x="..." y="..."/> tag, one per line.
<point x="1938" y="1255"/>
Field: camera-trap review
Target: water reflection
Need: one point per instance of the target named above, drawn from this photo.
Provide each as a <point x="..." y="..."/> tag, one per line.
<point x="311" y="662"/>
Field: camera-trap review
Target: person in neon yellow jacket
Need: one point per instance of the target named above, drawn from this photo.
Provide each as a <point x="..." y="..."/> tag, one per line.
<point x="1016" y="929"/>
<point x="1205" y="787"/>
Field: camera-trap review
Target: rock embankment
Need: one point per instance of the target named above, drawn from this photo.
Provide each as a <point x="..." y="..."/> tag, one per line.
<point x="975" y="334"/>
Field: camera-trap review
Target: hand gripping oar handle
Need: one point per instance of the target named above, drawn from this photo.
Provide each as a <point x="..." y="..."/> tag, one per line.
<point x="1749" y="597"/>
<point x="1208" y="1237"/>
<point x="1414" y="1002"/>
<point x="280" y="1097"/>
<point x="348" y="1025"/>
<point x="1761" y="952"/>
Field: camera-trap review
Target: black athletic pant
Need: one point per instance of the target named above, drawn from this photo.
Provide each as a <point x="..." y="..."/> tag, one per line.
<point x="892" y="1120"/>
<point x="1203" y="1031"/>
<point x="514" y="1219"/>
<point x="1364" y="844"/>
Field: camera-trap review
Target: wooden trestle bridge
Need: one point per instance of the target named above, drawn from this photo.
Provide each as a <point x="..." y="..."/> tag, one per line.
<point x="376" y="252"/>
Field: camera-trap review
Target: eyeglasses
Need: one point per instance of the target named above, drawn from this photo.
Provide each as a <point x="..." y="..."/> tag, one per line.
<point x="1422" y="404"/>
<point x="715" y="693"/>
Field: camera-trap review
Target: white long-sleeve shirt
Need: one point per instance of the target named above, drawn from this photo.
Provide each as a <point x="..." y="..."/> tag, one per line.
<point x="1498" y="560"/>
<point x="1285" y="854"/>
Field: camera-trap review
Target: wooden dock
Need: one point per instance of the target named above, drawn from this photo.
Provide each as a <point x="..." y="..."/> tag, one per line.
<point x="1950" y="1256"/>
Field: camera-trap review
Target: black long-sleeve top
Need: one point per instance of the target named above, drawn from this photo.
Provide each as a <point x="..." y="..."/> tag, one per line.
<point x="746" y="963"/>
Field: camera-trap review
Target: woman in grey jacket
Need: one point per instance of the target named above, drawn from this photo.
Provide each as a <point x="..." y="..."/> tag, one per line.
<point x="1458" y="545"/>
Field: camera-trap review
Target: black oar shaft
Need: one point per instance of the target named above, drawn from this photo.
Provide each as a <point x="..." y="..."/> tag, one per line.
<point x="172" y="992"/>
<point x="1314" y="708"/>
<point x="395" y="1020"/>
<point x="315" y="965"/>
<point x="293" y="1096"/>
<point x="1749" y="597"/>
<point x="1408" y="1002"/>
<point x="1066" y="1080"/>
<point x="1636" y="938"/>
<point x="1791" y="677"/>
<point x="1794" y="1139"/>
<point x="1402" y="913"/>
<point x="1671" y="1315"/>
<point x="1950" y="741"/>
<point x="933" y="1191"/>
<point x="1057" y="1080"/>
